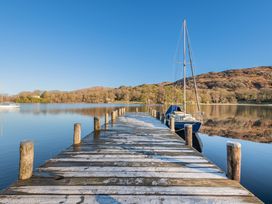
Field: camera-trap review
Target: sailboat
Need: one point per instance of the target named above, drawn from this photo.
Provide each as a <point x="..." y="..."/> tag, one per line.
<point x="180" y="114"/>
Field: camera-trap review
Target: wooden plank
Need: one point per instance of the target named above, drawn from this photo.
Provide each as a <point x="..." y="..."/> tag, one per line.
<point x="131" y="190"/>
<point x="214" y="175"/>
<point x="125" y="181"/>
<point x="120" y="151"/>
<point x="127" y="164"/>
<point x="167" y="160"/>
<point x="129" y="169"/>
<point x="124" y="147"/>
<point x="129" y="156"/>
<point x="125" y="199"/>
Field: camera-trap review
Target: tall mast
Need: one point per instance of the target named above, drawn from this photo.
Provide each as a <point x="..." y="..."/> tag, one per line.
<point x="192" y="70"/>
<point x="184" y="66"/>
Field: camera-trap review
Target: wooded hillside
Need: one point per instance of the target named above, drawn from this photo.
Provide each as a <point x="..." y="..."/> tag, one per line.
<point x="251" y="85"/>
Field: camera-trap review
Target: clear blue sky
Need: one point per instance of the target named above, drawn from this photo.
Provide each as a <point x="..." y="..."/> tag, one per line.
<point x="66" y="45"/>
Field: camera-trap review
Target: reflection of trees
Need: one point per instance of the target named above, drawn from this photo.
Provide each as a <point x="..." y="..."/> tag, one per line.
<point x="244" y="122"/>
<point x="247" y="122"/>
<point x="92" y="111"/>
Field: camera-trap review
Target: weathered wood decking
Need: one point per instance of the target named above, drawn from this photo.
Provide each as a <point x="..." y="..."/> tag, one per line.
<point x="137" y="160"/>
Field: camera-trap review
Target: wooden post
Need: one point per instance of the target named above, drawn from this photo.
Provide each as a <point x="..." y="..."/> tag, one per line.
<point x="154" y="113"/>
<point x="136" y="110"/>
<point x="112" y="116"/>
<point x="106" y="118"/>
<point x="162" y="118"/>
<point x="119" y="112"/>
<point x="172" y="124"/>
<point x="188" y="130"/>
<point x="234" y="160"/>
<point x="158" y="115"/>
<point x="77" y="133"/>
<point x="26" y="160"/>
<point x="96" y="123"/>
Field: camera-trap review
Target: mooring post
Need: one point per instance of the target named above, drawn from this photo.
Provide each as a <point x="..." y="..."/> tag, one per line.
<point x="158" y="115"/>
<point x="96" y="123"/>
<point x="162" y="118"/>
<point x="112" y="116"/>
<point x="26" y="160"/>
<point x="172" y="124"/>
<point x="122" y="111"/>
<point x="154" y="113"/>
<point x="136" y="110"/>
<point x="188" y="130"/>
<point x="234" y="160"/>
<point x="77" y="133"/>
<point x="106" y="118"/>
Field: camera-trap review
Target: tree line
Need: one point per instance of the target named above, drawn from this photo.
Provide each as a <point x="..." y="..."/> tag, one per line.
<point x="146" y="93"/>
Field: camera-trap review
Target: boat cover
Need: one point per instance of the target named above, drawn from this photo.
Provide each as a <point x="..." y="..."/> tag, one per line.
<point x="172" y="108"/>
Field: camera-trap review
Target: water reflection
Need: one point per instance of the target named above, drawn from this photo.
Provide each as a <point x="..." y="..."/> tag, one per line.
<point x="81" y="109"/>
<point x="247" y="122"/>
<point x="252" y="123"/>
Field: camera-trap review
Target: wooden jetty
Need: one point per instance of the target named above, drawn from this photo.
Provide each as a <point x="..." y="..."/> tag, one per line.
<point x="136" y="159"/>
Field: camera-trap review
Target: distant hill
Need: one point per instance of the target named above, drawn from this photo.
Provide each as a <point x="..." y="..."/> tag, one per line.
<point x="235" y="79"/>
<point x="250" y="85"/>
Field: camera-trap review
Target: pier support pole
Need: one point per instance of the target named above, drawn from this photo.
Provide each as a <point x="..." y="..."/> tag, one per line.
<point x="106" y="118"/>
<point x="172" y="124"/>
<point x="96" y="123"/>
<point x="112" y="116"/>
<point x="77" y="133"/>
<point x="188" y="130"/>
<point x="137" y="110"/>
<point x="162" y="118"/>
<point x="122" y="110"/>
<point x="234" y="160"/>
<point x="26" y="160"/>
<point x="154" y="113"/>
<point x="158" y="115"/>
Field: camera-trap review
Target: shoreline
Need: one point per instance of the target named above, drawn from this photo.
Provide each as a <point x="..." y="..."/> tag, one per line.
<point x="141" y="103"/>
<point x="239" y="104"/>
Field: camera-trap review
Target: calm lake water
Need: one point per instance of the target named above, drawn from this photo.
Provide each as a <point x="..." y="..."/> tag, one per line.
<point x="50" y="126"/>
